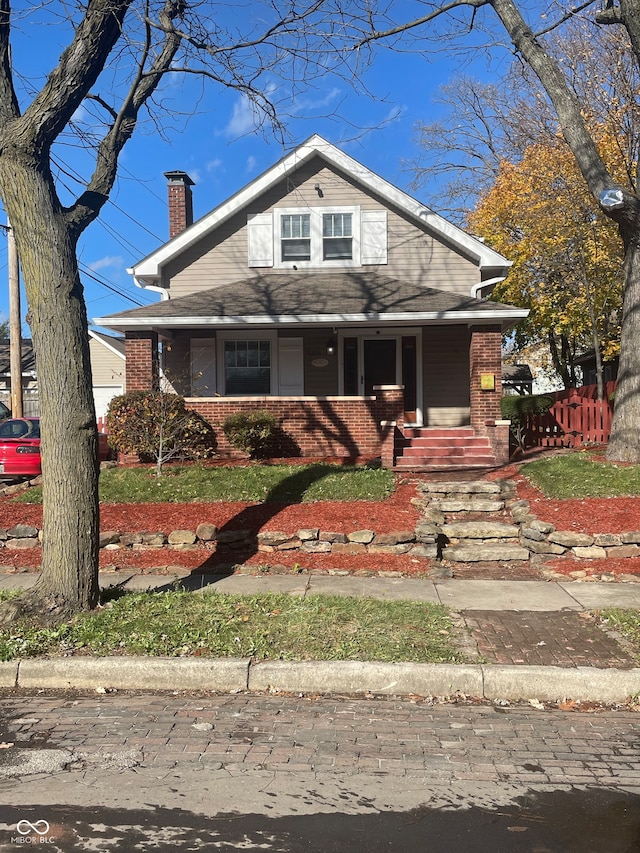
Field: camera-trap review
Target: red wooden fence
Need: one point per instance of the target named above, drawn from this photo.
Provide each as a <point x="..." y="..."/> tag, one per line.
<point x="576" y="417"/>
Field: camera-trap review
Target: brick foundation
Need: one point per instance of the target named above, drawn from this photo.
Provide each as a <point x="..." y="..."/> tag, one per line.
<point x="346" y="427"/>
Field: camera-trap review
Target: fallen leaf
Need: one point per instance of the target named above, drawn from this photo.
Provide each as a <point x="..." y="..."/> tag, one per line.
<point x="4" y="745"/>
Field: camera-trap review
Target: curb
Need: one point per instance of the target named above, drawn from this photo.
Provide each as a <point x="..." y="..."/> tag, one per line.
<point x="239" y="675"/>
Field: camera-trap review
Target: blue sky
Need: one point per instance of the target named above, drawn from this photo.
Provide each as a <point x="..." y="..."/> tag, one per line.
<point x="218" y="146"/>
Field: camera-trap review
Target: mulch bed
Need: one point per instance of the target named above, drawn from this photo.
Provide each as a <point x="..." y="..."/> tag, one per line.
<point x="588" y="515"/>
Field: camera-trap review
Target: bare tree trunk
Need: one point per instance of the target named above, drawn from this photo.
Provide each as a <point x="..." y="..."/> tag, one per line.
<point x="562" y="359"/>
<point x="615" y="201"/>
<point x="57" y="315"/>
<point x="595" y="337"/>
<point x="624" y="444"/>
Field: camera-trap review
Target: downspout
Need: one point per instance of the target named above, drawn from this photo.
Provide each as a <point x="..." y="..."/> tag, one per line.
<point x="164" y="293"/>
<point x="476" y="290"/>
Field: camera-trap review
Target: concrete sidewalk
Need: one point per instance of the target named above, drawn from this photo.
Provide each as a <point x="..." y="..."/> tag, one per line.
<point x="524" y="640"/>
<point x="544" y="596"/>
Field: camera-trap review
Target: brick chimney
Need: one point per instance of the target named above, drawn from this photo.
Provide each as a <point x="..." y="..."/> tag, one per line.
<point x="180" y="202"/>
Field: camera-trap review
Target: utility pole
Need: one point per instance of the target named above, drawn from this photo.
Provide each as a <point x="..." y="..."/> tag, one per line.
<point x="15" y="331"/>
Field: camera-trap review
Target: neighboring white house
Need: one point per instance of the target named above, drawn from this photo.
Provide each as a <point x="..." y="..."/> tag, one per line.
<point x="108" y="368"/>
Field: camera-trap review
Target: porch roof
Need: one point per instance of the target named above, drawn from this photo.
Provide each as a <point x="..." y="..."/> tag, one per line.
<point x="323" y="298"/>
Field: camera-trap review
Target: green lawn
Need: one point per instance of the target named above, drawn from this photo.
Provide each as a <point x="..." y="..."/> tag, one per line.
<point x="263" y="627"/>
<point x="627" y="623"/>
<point x="578" y="475"/>
<point x="281" y="483"/>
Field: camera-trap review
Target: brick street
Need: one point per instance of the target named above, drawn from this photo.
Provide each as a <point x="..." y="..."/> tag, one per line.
<point x="281" y="755"/>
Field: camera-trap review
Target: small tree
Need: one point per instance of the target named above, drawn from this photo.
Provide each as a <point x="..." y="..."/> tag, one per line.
<point x="157" y="425"/>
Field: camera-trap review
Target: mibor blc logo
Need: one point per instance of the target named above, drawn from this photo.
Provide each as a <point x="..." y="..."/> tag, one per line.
<point x="36" y="832"/>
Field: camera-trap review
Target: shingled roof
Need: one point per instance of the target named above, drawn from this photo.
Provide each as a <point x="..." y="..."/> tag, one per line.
<point x="28" y="359"/>
<point x="303" y="298"/>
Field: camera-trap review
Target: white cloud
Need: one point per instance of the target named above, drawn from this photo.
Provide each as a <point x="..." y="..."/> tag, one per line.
<point x="247" y="115"/>
<point x="213" y="165"/>
<point x="251" y="164"/>
<point x="308" y="104"/>
<point x="109" y="261"/>
<point x="244" y="118"/>
<point x="81" y="115"/>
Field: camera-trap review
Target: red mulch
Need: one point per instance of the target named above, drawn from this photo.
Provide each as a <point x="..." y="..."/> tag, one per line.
<point x="588" y="515"/>
<point x="394" y="513"/>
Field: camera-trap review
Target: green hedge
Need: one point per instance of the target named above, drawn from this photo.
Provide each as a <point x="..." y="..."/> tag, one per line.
<point x="254" y="432"/>
<point x="516" y="407"/>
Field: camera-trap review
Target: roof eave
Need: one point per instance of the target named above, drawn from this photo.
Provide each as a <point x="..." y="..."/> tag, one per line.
<point x="509" y="317"/>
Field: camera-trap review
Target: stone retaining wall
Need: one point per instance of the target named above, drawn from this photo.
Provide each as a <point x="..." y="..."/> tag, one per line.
<point x="452" y="510"/>
<point x="308" y="540"/>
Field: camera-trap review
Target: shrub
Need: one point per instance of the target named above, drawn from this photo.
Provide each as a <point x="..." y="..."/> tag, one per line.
<point x="517" y="408"/>
<point x="253" y="432"/>
<point x="158" y="426"/>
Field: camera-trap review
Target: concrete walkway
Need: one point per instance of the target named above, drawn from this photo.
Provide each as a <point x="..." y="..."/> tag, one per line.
<point x="532" y="640"/>
<point x="543" y="596"/>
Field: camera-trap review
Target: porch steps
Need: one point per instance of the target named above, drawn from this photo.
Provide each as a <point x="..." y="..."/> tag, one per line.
<point x="441" y="449"/>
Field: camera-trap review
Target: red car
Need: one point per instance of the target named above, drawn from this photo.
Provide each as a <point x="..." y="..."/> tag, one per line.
<point x="20" y="448"/>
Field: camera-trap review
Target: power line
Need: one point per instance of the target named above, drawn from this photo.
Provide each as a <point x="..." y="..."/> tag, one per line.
<point x="112" y="287"/>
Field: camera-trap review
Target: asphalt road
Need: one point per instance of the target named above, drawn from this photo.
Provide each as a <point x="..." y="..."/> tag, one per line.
<point x="124" y="772"/>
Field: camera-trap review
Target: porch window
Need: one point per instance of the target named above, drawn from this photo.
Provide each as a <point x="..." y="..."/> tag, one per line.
<point x="295" y="236"/>
<point x="247" y="365"/>
<point x="337" y="237"/>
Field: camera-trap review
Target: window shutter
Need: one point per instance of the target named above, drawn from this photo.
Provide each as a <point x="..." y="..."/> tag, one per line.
<point x="260" y="230"/>
<point x="203" y="368"/>
<point x="373" y="237"/>
<point x="290" y="367"/>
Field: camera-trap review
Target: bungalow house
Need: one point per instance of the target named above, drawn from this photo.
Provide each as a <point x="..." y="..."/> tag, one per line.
<point x="325" y="294"/>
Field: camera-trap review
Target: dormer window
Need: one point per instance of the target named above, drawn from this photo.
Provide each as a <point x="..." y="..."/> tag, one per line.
<point x="337" y="237"/>
<point x="295" y="237"/>
<point x="317" y="237"/>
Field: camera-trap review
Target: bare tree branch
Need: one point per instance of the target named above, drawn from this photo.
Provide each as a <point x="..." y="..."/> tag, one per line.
<point x="79" y="67"/>
<point x="9" y="108"/>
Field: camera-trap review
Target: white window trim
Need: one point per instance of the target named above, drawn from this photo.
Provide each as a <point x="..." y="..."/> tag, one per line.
<point x="316" y="238"/>
<point x="256" y="335"/>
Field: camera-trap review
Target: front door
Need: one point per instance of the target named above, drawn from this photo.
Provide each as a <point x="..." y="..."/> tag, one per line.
<point x="379" y="363"/>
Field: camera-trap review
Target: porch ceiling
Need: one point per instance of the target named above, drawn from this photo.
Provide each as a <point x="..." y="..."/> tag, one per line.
<point x="329" y="298"/>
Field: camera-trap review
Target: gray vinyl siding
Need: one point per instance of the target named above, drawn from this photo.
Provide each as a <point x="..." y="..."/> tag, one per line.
<point x="445" y="356"/>
<point x="413" y="253"/>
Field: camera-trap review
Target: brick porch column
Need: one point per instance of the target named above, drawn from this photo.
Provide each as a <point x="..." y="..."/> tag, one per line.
<point x="141" y="357"/>
<point x="390" y="413"/>
<point x="485" y="360"/>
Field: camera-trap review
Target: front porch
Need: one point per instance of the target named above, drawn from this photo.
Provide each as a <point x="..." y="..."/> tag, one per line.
<point x="450" y="417"/>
